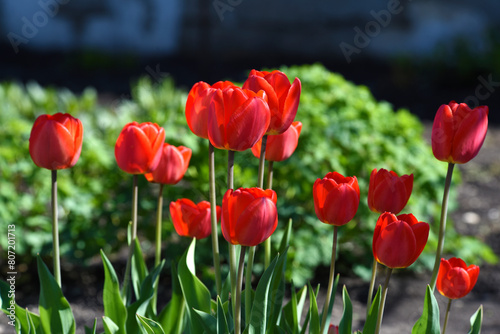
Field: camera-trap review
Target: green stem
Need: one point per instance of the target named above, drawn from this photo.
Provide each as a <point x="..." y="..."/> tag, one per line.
<point x="230" y="170"/>
<point x="372" y="285"/>
<point x="270" y="175"/>
<point x="159" y="216"/>
<point x="232" y="276"/>
<point x="126" y="279"/>
<point x="213" y="218"/>
<point x="262" y="161"/>
<point x="382" y="301"/>
<point x="237" y="317"/>
<point x="330" y="282"/>
<point x="446" y="316"/>
<point x="55" y="230"/>
<point x="267" y="242"/>
<point x="248" y="283"/>
<point x="442" y="225"/>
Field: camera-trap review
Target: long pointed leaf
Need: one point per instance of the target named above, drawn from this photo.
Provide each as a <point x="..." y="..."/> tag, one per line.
<point x="208" y="321"/>
<point x="345" y="326"/>
<point x="428" y="323"/>
<point x="371" y="319"/>
<point x="332" y="301"/>
<point x="171" y="317"/>
<point x="314" y="322"/>
<point x="114" y="309"/>
<point x="277" y="292"/>
<point x="55" y="312"/>
<point x="110" y="326"/>
<point x="476" y="321"/>
<point x="150" y="326"/>
<point x="139" y="270"/>
<point x="222" y="326"/>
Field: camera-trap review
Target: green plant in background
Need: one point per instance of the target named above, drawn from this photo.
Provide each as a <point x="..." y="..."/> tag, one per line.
<point x="344" y="129"/>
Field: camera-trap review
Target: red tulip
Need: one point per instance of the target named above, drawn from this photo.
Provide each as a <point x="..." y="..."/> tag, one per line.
<point x="56" y="141"/>
<point x="192" y="220"/>
<point x="388" y="192"/>
<point x="197" y="104"/>
<point x="138" y="147"/>
<point x="173" y="165"/>
<point x="455" y="280"/>
<point x="399" y="241"/>
<point x="458" y="132"/>
<point x="249" y="215"/>
<point x="333" y="329"/>
<point x="280" y="147"/>
<point x="336" y="198"/>
<point x="237" y="118"/>
<point x="283" y="97"/>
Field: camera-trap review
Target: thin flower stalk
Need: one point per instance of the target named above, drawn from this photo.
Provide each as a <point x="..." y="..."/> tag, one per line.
<point x="331" y="279"/>
<point x="382" y="301"/>
<point x="55" y="230"/>
<point x="213" y="218"/>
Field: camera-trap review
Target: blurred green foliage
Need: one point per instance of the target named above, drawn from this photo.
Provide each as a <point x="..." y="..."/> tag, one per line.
<point x="344" y="129"/>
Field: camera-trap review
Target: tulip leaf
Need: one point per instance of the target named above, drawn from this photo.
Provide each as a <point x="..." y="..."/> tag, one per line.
<point x="195" y="292"/>
<point x="208" y="321"/>
<point x="259" y="313"/>
<point x="332" y="300"/>
<point x="21" y="314"/>
<point x="314" y="325"/>
<point x="93" y="330"/>
<point x="293" y="310"/>
<point x="31" y="324"/>
<point x="345" y="325"/>
<point x="139" y="271"/>
<point x="285" y="240"/>
<point x="55" y="312"/>
<point x="150" y="326"/>
<point x="172" y="316"/>
<point x="277" y="291"/>
<point x="476" y="321"/>
<point x="371" y="318"/>
<point x="222" y="326"/>
<point x="428" y="323"/>
<point x="109" y="326"/>
<point x="114" y="309"/>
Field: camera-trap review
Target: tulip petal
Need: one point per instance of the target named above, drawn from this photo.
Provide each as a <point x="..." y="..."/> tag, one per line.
<point x="257" y="222"/>
<point x="395" y="245"/>
<point x="470" y="135"/>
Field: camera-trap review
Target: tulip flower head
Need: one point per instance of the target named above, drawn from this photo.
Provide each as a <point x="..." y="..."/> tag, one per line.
<point x="173" y="164"/>
<point x="458" y="132"/>
<point x="283" y="97"/>
<point x="237" y="118"/>
<point x="249" y="215"/>
<point x="56" y="141"/>
<point x="399" y="241"/>
<point x="197" y="104"/>
<point x="388" y="191"/>
<point x="455" y="280"/>
<point x="280" y="147"/>
<point x="333" y="329"/>
<point x="192" y="220"/>
<point x="138" y="147"/>
<point x="336" y="198"/>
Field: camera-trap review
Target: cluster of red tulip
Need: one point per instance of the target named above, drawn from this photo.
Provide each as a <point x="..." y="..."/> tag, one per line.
<point x="260" y="116"/>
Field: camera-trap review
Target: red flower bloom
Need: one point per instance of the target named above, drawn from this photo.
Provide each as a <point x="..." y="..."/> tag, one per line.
<point x="237" y="118"/>
<point x="192" y="220"/>
<point x="388" y="192"/>
<point x="283" y="97"/>
<point x="333" y="329"/>
<point x="280" y="147"/>
<point x="56" y="141"/>
<point x="458" y="132"/>
<point x="249" y="215"/>
<point x="173" y="164"/>
<point x="138" y="147"/>
<point x="455" y="280"/>
<point x="336" y="198"/>
<point x="197" y="104"/>
<point x="399" y="241"/>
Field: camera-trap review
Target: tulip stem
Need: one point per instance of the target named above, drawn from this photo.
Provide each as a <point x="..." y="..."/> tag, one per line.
<point x="262" y="161"/>
<point x="230" y="169"/>
<point x="126" y="279"/>
<point x="213" y="218"/>
<point x="55" y="230"/>
<point x="330" y="282"/>
<point x="248" y="283"/>
<point x="442" y="225"/>
<point x="159" y="216"/>
<point x="382" y="301"/>
<point x="446" y="316"/>
<point x="232" y="277"/>
<point x="372" y="285"/>
<point x="267" y="242"/>
<point x="239" y="283"/>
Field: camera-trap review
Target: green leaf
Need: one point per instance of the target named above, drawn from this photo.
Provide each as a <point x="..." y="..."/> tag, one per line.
<point x="93" y="330"/>
<point x="208" y="321"/>
<point x="171" y="317"/>
<point x="109" y="326"/>
<point x="222" y="326"/>
<point x="277" y="292"/>
<point x="114" y="309"/>
<point x="259" y="314"/>
<point x="332" y="301"/>
<point x="292" y="311"/>
<point x="285" y="240"/>
<point x="428" y="323"/>
<point x="371" y="318"/>
<point x="314" y="324"/>
<point x="476" y="321"/>
<point x="21" y="315"/>
<point x="55" y="312"/>
<point x="196" y="294"/>
<point x="345" y="326"/>
<point x="31" y="324"/>
<point x="139" y="270"/>
<point x="150" y="326"/>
